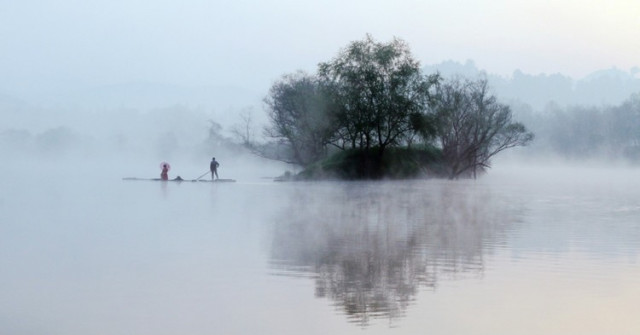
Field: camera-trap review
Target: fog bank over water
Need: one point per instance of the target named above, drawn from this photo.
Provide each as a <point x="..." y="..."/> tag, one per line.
<point x="132" y="143"/>
<point x="520" y="166"/>
<point x="89" y="253"/>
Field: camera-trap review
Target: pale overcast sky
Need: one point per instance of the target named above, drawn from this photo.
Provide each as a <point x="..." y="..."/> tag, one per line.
<point x="250" y="44"/>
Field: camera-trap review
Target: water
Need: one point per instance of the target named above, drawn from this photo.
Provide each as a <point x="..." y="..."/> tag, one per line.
<point x="553" y="253"/>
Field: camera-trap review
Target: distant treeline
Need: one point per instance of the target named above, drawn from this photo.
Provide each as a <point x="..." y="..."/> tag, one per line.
<point x="583" y="132"/>
<point x="161" y="133"/>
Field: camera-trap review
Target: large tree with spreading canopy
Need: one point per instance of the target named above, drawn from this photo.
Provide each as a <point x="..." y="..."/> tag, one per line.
<point x="377" y="87"/>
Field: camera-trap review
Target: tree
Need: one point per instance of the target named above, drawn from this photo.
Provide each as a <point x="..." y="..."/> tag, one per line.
<point x="244" y="130"/>
<point x="376" y="88"/>
<point x="472" y="126"/>
<point x="299" y="110"/>
<point x="624" y="129"/>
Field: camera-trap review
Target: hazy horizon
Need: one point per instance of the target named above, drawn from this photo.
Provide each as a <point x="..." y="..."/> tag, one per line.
<point x="150" y="76"/>
<point x="64" y="47"/>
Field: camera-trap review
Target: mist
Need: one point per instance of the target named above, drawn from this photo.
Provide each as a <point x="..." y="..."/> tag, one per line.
<point x="572" y="119"/>
<point x="544" y="242"/>
<point x="86" y="252"/>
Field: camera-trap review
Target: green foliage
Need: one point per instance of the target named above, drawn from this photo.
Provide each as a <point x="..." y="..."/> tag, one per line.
<point x="424" y="125"/>
<point x="376" y="87"/>
<point x="373" y="102"/>
<point x="299" y="113"/>
<point x="394" y="163"/>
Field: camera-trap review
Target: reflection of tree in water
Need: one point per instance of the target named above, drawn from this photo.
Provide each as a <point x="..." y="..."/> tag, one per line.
<point x="370" y="247"/>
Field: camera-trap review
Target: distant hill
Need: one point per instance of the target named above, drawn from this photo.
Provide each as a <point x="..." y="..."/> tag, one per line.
<point x="604" y="87"/>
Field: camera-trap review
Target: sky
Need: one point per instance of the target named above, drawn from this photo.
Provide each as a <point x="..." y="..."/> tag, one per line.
<point x="74" y="44"/>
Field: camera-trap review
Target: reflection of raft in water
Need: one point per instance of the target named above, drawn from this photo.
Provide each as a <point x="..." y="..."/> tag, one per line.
<point x="179" y="179"/>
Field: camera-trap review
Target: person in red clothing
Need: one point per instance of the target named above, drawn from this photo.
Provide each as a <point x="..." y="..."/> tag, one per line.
<point x="165" y="172"/>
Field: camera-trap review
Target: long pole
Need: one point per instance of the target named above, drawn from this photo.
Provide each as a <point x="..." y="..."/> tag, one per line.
<point x="204" y="174"/>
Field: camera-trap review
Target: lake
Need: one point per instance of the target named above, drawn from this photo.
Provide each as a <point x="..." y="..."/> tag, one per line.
<point x="522" y="250"/>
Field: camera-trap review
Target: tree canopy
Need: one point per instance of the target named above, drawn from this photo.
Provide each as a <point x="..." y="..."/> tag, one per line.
<point x="373" y="96"/>
<point x="377" y="87"/>
<point x="300" y="113"/>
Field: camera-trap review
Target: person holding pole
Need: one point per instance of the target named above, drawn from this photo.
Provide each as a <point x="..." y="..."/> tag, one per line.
<point x="213" y="166"/>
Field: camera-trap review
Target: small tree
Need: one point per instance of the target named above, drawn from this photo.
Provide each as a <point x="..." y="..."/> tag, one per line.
<point x="624" y="128"/>
<point x="243" y="131"/>
<point x="299" y="111"/>
<point x="472" y="126"/>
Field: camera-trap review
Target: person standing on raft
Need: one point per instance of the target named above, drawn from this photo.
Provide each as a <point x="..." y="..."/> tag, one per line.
<point x="213" y="166"/>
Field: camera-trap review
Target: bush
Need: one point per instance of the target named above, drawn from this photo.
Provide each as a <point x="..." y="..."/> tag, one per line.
<point x="395" y="163"/>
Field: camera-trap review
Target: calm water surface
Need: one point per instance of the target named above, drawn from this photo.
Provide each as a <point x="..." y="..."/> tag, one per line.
<point x="553" y="253"/>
